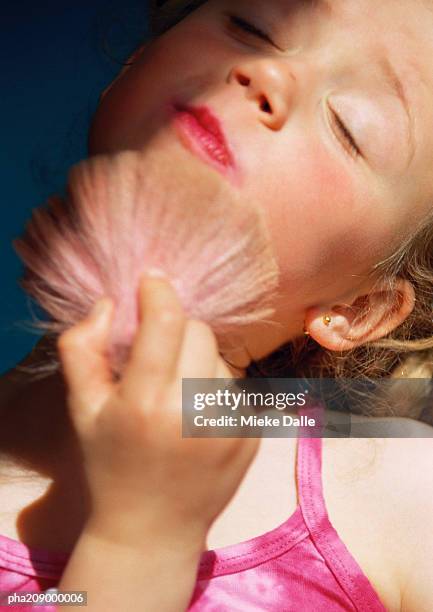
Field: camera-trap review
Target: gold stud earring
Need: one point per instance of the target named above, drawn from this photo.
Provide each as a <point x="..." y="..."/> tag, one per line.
<point x="327" y="320"/>
<point x="306" y="332"/>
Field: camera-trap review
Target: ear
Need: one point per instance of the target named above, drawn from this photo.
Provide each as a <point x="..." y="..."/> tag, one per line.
<point x="370" y="317"/>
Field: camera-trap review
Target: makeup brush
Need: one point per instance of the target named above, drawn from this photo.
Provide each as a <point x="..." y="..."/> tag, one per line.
<point x="131" y="211"/>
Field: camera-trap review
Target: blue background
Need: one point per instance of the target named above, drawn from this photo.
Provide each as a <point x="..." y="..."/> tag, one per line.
<point x="55" y="59"/>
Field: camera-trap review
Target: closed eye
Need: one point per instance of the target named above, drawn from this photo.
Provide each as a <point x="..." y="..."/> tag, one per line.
<point x="345" y="136"/>
<point x="245" y="26"/>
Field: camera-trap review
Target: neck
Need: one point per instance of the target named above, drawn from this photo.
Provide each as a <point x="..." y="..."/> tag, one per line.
<point x="261" y="339"/>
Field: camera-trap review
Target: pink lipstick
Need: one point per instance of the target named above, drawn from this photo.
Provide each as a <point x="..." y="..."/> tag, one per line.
<point x="202" y="133"/>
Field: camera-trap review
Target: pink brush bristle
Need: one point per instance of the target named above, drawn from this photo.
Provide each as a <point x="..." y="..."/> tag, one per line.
<point x="128" y="212"/>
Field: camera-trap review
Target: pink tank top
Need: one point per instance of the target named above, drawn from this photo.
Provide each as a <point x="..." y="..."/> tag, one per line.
<point x="300" y="565"/>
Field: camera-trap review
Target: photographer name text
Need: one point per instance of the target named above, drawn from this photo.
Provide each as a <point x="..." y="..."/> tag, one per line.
<point x="255" y="421"/>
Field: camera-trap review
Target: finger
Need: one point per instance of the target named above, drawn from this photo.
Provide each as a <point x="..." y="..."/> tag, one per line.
<point x="82" y="351"/>
<point x="199" y="352"/>
<point x="197" y="359"/>
<point x="158" y="341"/>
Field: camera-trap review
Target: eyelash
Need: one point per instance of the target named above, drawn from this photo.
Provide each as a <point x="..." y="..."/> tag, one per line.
<point x="350" y="143"/>
<point x="249" y="28"/>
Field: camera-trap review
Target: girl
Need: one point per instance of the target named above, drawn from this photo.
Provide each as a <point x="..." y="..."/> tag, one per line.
<point x="330" y="131"/>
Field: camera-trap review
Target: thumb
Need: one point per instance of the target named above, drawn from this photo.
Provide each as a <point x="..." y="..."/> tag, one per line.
<point x="83" y="354"/>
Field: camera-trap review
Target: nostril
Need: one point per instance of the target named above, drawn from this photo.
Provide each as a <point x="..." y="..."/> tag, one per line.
<point x="264" y="105"/>
<point x="243" y="80"/>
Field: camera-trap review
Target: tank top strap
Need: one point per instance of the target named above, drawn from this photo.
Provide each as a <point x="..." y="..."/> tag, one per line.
<point x="309" y="467"/>
<point x="325" y="538"/>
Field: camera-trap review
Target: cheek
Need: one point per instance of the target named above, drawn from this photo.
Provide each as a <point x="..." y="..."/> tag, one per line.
<point x="317" y="217"/>
<point x="173" y="66"/>
<point x="127" y="111"/>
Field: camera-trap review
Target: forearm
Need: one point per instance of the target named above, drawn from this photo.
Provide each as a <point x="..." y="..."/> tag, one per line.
<point x="155" y="573"/>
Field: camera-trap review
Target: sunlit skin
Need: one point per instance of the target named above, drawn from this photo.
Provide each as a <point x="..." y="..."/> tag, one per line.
<point x="96" y="466"/>
<point x="335" y="204"/>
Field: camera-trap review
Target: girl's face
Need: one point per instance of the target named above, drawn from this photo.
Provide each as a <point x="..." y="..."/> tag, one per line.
<point x="326" y="108"/>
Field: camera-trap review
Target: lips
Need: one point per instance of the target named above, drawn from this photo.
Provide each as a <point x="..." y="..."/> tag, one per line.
<point x="201" y="132"/>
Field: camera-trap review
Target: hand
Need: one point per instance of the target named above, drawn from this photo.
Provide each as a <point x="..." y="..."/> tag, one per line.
<point x="142" y="475"/>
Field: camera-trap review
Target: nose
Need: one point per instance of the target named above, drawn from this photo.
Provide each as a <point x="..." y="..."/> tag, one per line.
<point x="271" y="84"/>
